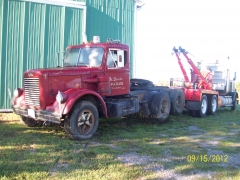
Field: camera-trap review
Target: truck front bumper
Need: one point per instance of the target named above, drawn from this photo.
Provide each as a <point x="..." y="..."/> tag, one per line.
<point x="38" y="115"/>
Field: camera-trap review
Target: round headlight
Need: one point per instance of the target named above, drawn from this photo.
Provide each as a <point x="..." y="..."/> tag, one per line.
<point x="17" y="92"/>
<point x="59" y="97"/>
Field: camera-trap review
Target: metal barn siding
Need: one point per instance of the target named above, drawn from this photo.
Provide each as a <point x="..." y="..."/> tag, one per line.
<point x="31" y="34"/>
<point x="112" y="19"/>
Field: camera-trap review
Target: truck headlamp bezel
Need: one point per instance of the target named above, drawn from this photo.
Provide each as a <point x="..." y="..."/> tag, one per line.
<point x="17" y="92"/>
<point x="61" y="97"/>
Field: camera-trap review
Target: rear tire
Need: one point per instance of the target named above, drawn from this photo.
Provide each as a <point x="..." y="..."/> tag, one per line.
<point x="203" y="107"/>
<point x="160" y="106"/>
<point x="82" y="123"/>
<point x="212" y="105"/>
<point x="30" y="122"/>
<point x="177" y="98"/>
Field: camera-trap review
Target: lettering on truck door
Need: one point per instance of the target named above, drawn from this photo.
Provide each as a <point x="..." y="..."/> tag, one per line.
<point x="118" y="71"/>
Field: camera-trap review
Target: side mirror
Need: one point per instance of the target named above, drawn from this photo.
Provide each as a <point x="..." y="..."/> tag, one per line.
<point x="58" y="57"/>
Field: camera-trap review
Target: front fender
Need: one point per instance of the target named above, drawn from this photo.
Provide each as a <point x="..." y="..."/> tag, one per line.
<point x="75" y="94"/>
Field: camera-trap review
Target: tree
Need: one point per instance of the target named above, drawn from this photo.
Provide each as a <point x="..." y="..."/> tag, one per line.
<point x="237" y="87"/>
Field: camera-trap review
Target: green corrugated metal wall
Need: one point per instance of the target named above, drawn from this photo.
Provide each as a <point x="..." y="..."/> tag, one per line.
<point x="32" y="33"/>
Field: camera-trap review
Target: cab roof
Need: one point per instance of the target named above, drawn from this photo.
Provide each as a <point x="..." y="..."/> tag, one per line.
<point x="101" y="44"/>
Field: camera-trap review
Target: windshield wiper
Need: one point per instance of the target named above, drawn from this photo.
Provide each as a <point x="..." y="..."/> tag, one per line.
<point x="67" y="65"/>
<point x="82" y="64"/>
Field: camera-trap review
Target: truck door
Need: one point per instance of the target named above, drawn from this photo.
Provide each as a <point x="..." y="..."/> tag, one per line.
<point x="118" y="71"/>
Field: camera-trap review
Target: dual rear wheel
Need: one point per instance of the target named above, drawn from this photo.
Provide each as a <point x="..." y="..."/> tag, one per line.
<point x="177" y="99"/>
<point x="207" y="106"/>
<point x="160" y="106"/>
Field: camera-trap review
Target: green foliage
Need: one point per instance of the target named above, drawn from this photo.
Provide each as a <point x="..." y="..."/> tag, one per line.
<point x="237" y="86"/>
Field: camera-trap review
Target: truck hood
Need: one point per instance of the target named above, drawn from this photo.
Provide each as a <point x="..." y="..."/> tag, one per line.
<point x="62" y="71"/>
<point x="48" y="81"/>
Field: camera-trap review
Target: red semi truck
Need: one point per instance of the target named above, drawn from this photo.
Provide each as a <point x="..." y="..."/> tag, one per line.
<point x="94" y="82"/>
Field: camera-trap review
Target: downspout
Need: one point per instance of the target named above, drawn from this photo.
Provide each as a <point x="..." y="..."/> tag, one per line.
<point x="84" y="35"/>
<point x="137" y="7"/>
<point x="133" y="74"/>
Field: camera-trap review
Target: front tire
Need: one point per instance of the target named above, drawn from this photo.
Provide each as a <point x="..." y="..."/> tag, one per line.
<point x="82" y="123"/>
<point x="160" y="106"/>
<point x="234" y="100"/>
<point x="234" y="105"/>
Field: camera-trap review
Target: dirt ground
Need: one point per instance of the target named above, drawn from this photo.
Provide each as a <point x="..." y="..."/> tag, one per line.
<point x="151" y="164"/>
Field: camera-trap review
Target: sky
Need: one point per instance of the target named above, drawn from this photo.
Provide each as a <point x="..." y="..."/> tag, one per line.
<point x="208" y="29"/>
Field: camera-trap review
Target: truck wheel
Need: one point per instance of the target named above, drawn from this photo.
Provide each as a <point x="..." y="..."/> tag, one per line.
<point x="234" y="100"/>
<point x="160" y="106"/>
<point x="212" y="105"/>
<point x="203" y="107"/>
<point x="82" y="123"/>
<point x="30" y="122"/>
<point x="177" y="102"/>
<point x="234" y="104"/>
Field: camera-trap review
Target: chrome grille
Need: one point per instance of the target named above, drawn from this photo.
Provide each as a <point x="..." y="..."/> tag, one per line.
<point x="32" y="94"/>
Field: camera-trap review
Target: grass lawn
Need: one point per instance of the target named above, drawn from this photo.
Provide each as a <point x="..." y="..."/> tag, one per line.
<point x="182" y="148"/>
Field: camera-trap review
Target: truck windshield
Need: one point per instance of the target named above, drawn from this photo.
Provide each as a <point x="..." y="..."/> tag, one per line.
<point x="91" y="57"/>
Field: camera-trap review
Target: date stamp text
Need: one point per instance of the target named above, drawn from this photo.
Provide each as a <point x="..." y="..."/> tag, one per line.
<point x="205" y="158"/>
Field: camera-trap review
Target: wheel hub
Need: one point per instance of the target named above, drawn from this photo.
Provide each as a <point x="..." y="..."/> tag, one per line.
<point x="85" y="122"/>
<point x="164" y="107"/>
